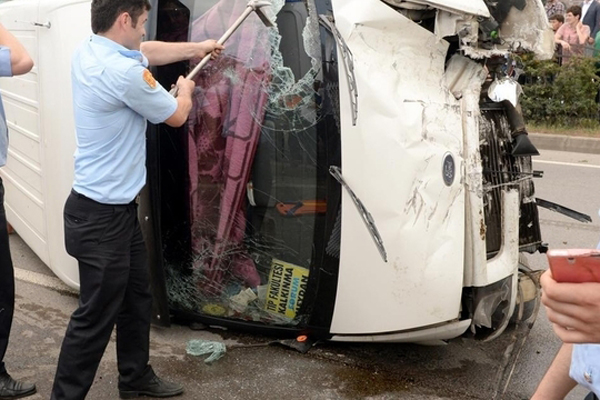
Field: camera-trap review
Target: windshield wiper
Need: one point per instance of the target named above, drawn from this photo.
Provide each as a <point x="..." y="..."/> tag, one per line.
<point x="348" y="64"/>
<point x="364" y="213"/>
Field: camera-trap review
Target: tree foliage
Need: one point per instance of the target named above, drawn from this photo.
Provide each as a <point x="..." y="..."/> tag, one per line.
<point x="563" y="96"/>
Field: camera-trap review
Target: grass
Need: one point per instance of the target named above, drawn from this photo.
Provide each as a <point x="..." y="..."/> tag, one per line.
<point x="585" y="131"/>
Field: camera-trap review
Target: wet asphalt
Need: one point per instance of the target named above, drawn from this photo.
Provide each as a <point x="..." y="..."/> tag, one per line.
<point x="463" y="369"/>
<point x="43" y="307"/>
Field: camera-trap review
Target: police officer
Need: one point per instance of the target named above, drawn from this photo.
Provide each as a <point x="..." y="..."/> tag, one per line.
<point x="113" y="96"/>
<point x="14" y="60"/>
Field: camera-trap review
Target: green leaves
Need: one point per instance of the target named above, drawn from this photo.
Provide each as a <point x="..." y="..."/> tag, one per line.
<point x="563" y="96"/>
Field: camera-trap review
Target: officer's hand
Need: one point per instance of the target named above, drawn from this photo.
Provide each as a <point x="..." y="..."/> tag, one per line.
<point x="209" y="46"/>
<point x="573" y="309"/>
<point x="185" y="87"/>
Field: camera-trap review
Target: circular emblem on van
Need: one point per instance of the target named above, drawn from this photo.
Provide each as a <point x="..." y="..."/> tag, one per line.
<point x="448" y="169"/>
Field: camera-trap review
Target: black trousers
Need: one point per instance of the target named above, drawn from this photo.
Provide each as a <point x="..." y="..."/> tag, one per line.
<point x="7" y="283"/>
<point x="114" y="280"/>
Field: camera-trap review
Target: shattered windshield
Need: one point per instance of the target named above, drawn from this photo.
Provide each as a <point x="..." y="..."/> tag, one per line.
<point x="255" y="164"/>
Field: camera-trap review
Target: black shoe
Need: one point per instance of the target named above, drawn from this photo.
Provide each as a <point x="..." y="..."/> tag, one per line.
<point x="155" y="387"/>
<point x="11" y="389"/>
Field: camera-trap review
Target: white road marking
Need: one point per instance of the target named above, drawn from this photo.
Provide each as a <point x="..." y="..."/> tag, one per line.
<point x="566" y="164"/>
<point x="46" y="281"/>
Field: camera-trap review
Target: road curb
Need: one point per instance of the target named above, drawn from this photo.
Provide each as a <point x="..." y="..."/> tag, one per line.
<point x="546" y="141"/>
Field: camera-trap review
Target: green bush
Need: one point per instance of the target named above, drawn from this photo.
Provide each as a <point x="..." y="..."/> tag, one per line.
<point x="563" y="96"/>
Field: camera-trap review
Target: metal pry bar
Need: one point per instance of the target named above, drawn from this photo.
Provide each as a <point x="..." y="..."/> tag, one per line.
<point x="253" y="6"/>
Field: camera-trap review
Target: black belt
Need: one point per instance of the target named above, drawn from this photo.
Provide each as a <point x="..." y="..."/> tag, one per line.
<point x="136" y="200"/>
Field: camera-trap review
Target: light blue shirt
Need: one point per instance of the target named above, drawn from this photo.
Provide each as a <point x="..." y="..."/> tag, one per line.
<point x="113" y="96"/>
<point x="585" y="366"/>
<point x="5" y="70"/>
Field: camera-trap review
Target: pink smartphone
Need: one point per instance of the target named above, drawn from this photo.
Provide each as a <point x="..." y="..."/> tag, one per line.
<point x="574" y="265"/>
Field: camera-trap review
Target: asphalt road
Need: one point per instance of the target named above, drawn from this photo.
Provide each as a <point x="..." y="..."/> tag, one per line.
<point x="464" y="369"/>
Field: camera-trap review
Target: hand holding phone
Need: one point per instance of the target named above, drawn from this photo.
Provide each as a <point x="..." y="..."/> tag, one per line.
<point x="574" y="265"/>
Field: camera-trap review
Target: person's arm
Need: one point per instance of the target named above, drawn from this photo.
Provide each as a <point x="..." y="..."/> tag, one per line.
<point x="558" y="38"/>
<point x="20" y="61"/>
<point x="163" y="53"/>
<point x="583" y="33"/>
<point x="144" y="95"/>
<point x="573" y="309"/>
<point x="185" y="89"/>
<point x="556" y="383"/>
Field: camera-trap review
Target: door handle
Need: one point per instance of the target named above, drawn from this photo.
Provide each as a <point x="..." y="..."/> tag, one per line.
<point x="46" y="24"/>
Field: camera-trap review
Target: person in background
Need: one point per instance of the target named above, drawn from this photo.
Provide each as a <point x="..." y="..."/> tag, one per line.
<point x="573" y="34"/>
<point x="590" y="16"/>
<point x="114" y="94"/>
<point x="554" y="7"/>
<point x="574" y="311"/>
<point x="14" y="60"/>
<point x="556" y="21"/>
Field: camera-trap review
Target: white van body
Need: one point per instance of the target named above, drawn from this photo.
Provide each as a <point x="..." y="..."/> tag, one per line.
<point x="39" y="172"/>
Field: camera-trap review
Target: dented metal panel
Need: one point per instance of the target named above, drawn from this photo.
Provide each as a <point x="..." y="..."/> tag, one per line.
<point x="408" y="127"/>
<point x="464" y="77"/>
<point x="474" y="7"/>
<point x="512" y="26"/>
<point x="528" y="29"/>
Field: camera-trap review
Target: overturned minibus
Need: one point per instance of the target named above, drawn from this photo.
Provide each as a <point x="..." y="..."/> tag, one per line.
<point x="344" y="174"/>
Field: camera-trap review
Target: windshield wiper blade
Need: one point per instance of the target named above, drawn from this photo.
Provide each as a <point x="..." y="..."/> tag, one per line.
<point x="364" y="213"/>
<point x="348" y="64"/>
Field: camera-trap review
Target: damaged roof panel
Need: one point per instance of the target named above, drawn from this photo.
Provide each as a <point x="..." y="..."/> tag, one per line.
<point x="474" y="7"/>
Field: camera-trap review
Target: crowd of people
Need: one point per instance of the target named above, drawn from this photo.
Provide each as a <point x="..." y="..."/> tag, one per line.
<point x="576" y="28"/>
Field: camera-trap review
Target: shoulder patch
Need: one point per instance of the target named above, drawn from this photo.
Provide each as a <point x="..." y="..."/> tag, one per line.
<point x="149" y="79"/>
